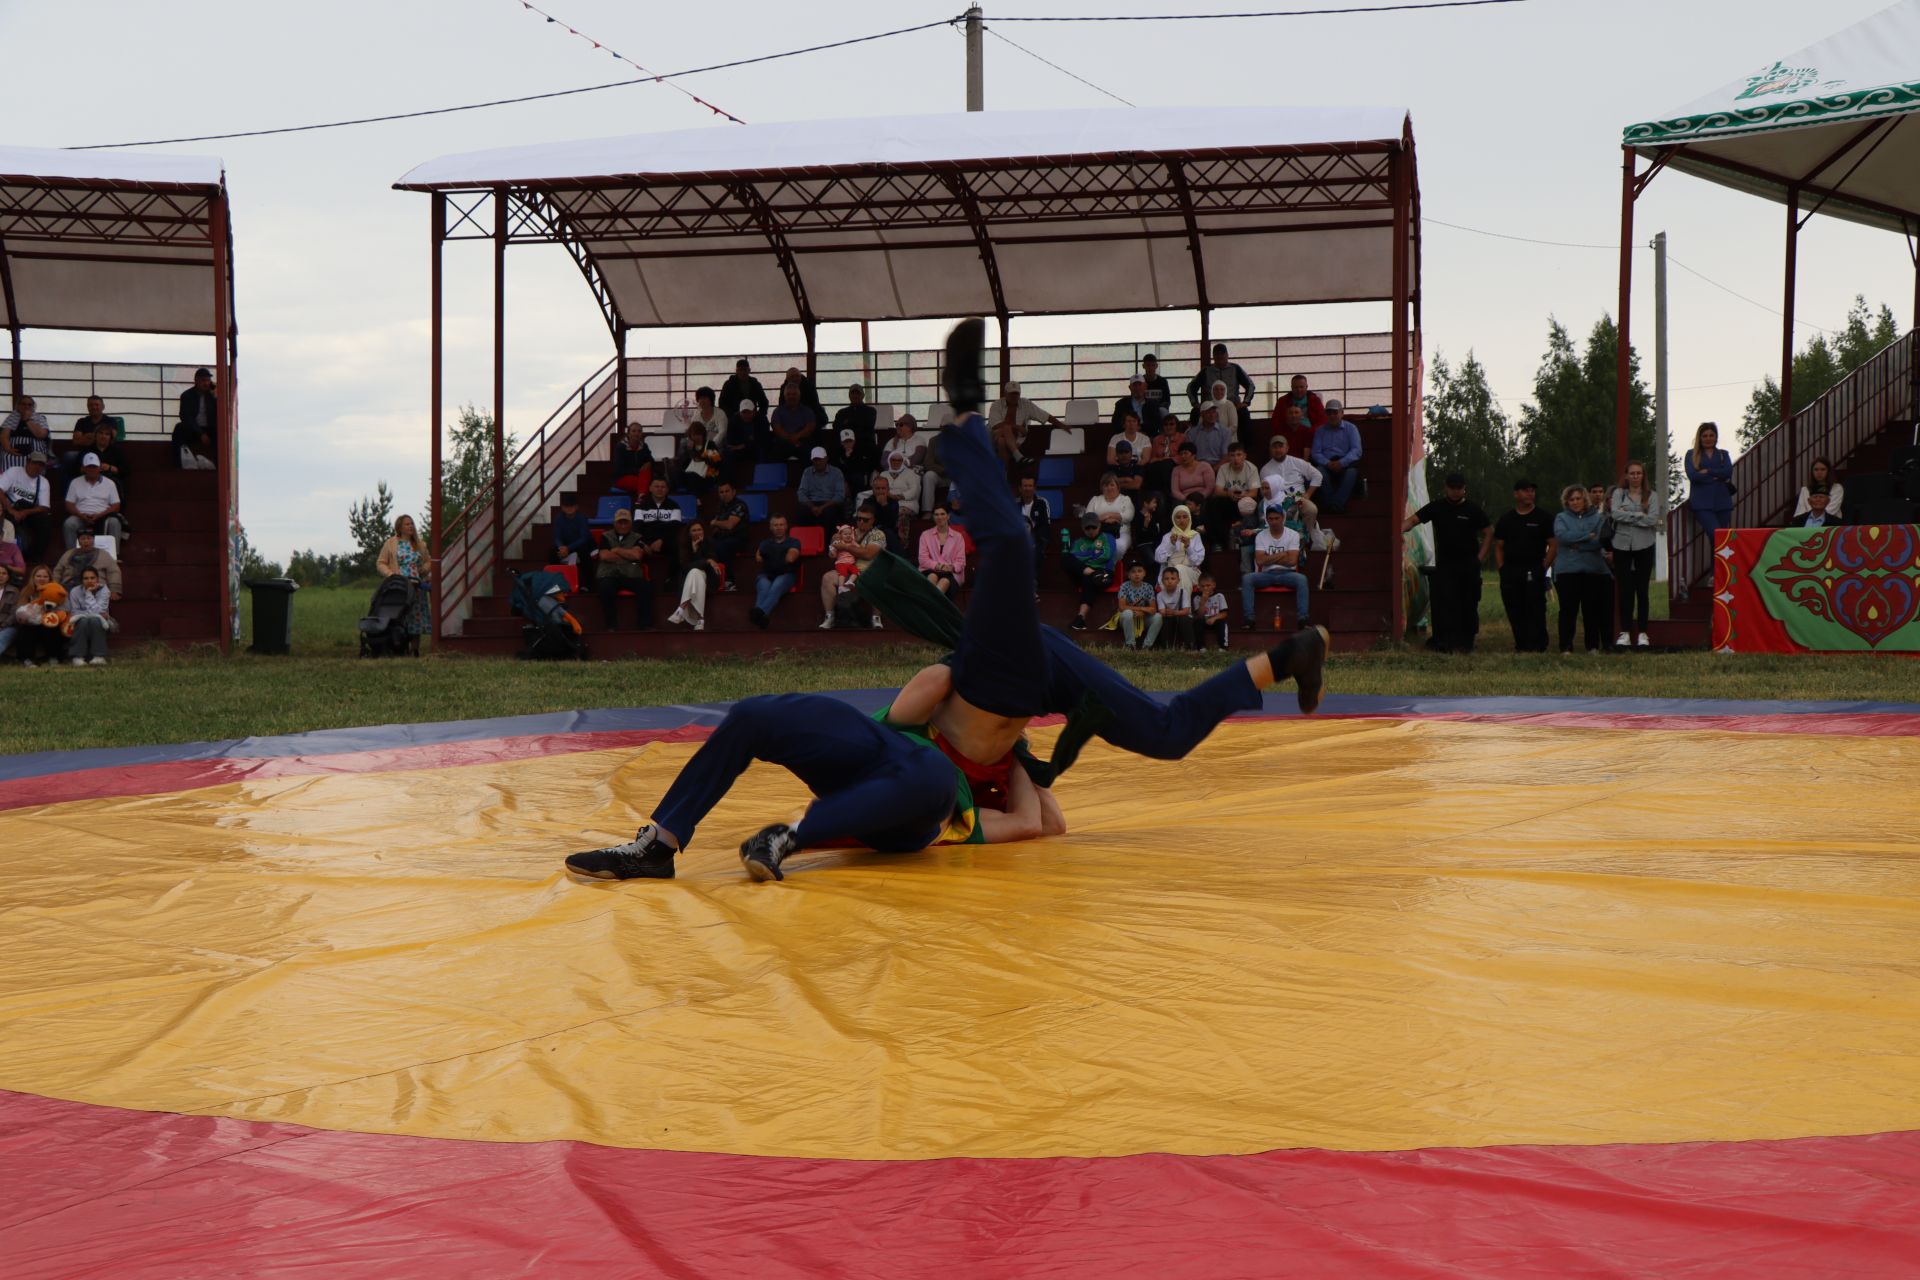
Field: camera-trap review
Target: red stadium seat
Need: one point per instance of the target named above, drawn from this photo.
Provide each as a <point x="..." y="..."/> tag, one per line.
<point x="812" y="539"/>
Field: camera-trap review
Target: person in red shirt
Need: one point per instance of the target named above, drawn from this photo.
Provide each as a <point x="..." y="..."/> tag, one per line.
<point x="1313" y="414"/>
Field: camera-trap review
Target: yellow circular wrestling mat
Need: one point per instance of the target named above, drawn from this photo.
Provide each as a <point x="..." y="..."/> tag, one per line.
<point x="1361" y="934"/>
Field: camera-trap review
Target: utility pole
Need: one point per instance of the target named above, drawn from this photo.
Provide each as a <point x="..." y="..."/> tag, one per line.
<point x="976" y="77"/>
<point x="1657" y="482"/>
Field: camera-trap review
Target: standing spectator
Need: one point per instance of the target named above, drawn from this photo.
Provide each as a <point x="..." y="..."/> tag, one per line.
<point x="196" y="433"/>
<point x="1173" y="609"/>
<point x="1336" y="451"/>
<point x="1232" y="483"/>
<point x="1114" y="511"/>
<point x="33" y="640"/>
<point x="705" y="571"/>
<point x="93" y="502"/>
<point x="27" y="499"/>
<point x="572" y="538"/>
<point x="903" y="482"/>
<point x="943" y="553"/>
<point x="1192" y="482"/>
<point x="740" y="388"/>
<point x="1638" y="516"/>
<point x="809" y="393"/>
<point x="1140" y="405"/>
<point x="1157" y="389"/>
<point x="85" y="555"/>
<point x="860" y="456"/>
<point x="791" y="427"/>
<point x="1038" y="515"/>
<point x="621" y="566"/>
<point x="1276" y="563"/>
<point x="889" y="512"/>
<point x="1011" y="419"/>
<point x="779" y="557"/>
<point x="1523" y="550"/>
<point x="1089" y="563"/>
<point x="1209" y="439"/>
<point x="697" y="465"/>
<point x="1209" y="614"/>
<point x="1709" y="482"/>
<point x="1821" y="475"/>
<point x="1221" y="370"/>
<point x="853" y="549"/>
<point x="1182" y="549"/>
<point x="1137" y="441"/>
<point x="1290" y="482"/>
<point x="728" y="529"/>
<point x="1461" y="535"/>
<point x="405" y="554"/>
<point x="1819" y="515"/>
<point x="1134" y="612"/>
<point x="90" y="604"/>
<point x="1579" y="574"/>
<point x="22" y="433"/>
<point x="633" y="461"/>
<point x="822" y="493"/>
<point x="658" y="519"/>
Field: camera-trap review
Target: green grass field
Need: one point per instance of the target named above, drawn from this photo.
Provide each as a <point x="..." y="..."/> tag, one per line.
<point x="156" y="696"/>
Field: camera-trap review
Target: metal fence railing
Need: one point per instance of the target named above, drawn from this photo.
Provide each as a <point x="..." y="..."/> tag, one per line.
<point x="145" y="396"/>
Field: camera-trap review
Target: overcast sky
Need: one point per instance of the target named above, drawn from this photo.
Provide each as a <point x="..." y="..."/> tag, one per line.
<point x="1517" y="110"/>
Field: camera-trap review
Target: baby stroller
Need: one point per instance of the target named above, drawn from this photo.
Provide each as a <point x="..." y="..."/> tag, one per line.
<point x="383" y="632"/>
<point x="551" y="632"/>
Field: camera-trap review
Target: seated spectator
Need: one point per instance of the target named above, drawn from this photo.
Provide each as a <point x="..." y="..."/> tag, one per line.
<point x="697" y="465"/>
<point x="1173" y="608"/>
<point x="855" y="429"/>
<point x="943" y="553"/>
<point x="744" y="430"/>
<point x="1157" y="389"/>
<point x="1209" y="439"/>
<point x="572" y="540"/>
<point x="1140" y="404"/>
<point x="791" y="427"/>
<point x="728" y="529"/>
<point x="1231" y="482"/>
<point x="1228" y="413"/>
<point x="90" y="605"/>
<point x="86" y="431"/>
<point x="10" y="585"/>
<point x="1038" y="515"/>
<point x="1312" y="413"/>
<point x="809" y="394"/>
<point x="1221" y="370"/>
<point x="1289" y="482"/>
<point x="196" y="433"/>
<point x="779" y="557"/>
<point x="27" y="499"/>
<point x="1276" y="563"/>
<point x="23" y="432"/>
<point x="1293" y="425"/>
<point x="13" y="565"/>
<point x="1182" y="550"/>
<point x="659" y="519"/>
<point x="1114" y="510"/>
<point x="633" y="461"/>
<point x="1336" y="451"/>
<point x="405" y="555"/>
<point x="1160" y="454"/>
<point x="1822" y="475"/>
<point x="93" y="502"/>
<point x="1819" y="513"/>
<point x="903" y="482"/>
<point x="112" y="455"/>
<point x="1246" y="529"/>
<point x="822" y="493"/>
<point x="1128" y="470"/>
<point x="852" y="549"/>
<point x="1011" y="419"/>
<point x="85" y="555"/>
<point x="907" y="442"/>
<point x="1129" y="433"/>
<point x="1209" y="614"/>
<point x="1192" y="482"/>
<point x="621" y="566"/>
<point x="1150" y="524"/>
<point x="740" y="388"/>
<point x="705" y="572"/>
<point x="1089" y="563"/>
<point x="711" y="418"/>
<point x="1134" y="612"/>
<point x="33" y="640"/>
<point x="890" y="514"/>
<point x="933" y="477"/>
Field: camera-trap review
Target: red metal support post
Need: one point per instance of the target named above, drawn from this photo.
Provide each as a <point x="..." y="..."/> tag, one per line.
<point x="1623" y="379"/>
<point x="436" y="516"/>
<point x="17" y="373"/>
<point x="500" y="577"/>
<point x="1786" y="325"/>
<point x="1401" y="433"/>
<point x="225" y="396"/>
<point x="620" y="401"/>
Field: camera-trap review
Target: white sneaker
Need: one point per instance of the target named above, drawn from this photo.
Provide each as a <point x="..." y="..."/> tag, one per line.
<point x="1622" y="640"/>
<point x="79" y="662"/>
<point x="1643" y="642"/>
<point x="97" y="662"/>
<point x="677" y="617"/>
<point x="699" y="624"/>
<point x="876" y="622"/>
<point x="826" y="623"/>
<point x="28" y="662"/>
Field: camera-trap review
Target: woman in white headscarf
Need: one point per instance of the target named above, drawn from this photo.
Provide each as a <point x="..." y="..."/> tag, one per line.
<point x="1183" y="549"/>
<point x="1228" y="410"/>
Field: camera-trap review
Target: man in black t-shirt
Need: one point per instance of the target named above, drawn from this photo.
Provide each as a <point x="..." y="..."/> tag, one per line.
<point x="1523" y="550"/>
<point x="1461" y="534"/>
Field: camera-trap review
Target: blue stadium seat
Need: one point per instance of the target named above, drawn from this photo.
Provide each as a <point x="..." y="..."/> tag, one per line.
<point x="756" y="506"/>
<point x="1056" y="503"/>
<point x="603" y="514"/>
<point x="768" y="477"/>
<point x="1055" y="473"/>
<point x="688" y="504"/>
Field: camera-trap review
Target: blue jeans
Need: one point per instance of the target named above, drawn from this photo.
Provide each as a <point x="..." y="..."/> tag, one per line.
<point x="872" y="787"/>
<point x="1336" y="488"/>
<point x="1000" y="665"/>
<point x="6" y="637"/>
<point x="1273" y="578"/>
<point x="1711" y="522"/>
<point x="767" y="591"/>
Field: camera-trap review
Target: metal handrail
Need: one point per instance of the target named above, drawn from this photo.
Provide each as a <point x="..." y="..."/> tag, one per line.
<point x="1768" y="475"/>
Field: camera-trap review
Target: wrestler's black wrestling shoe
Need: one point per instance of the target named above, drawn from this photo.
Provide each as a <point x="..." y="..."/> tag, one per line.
<point x="769" y="847"/>
<point x="1302" y="658"/>
<point x="645" y="857"/>
<point x="966" y="347"/>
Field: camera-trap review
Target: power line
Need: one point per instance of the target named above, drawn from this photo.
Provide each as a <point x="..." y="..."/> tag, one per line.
<point x="1743" y="297"/>
<point x="574" y="31"/>
<point x="1057" y="67"/>
<point x="505" y="102"/>
<point x="1501" y="235"/>
<point x="1269" y="13"/>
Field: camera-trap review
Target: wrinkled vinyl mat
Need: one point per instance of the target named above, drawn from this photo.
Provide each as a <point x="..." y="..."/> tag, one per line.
<point x="1432" y="989"/>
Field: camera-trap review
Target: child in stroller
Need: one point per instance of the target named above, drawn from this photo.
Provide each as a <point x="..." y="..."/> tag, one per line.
<point x="383" y="632"/>
<point x="550" y="631"/>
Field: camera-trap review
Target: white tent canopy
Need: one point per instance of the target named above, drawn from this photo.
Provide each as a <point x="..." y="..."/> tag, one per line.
<point x="1834" y="120"/>
<point x="980" y="213"/>
<point x="116" y="241"/>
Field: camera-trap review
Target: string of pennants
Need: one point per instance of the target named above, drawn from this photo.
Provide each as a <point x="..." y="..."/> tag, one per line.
<point x="654" y="76"/>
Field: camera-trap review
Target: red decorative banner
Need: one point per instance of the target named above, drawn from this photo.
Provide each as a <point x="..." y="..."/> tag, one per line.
<point x="1846" y="589"/>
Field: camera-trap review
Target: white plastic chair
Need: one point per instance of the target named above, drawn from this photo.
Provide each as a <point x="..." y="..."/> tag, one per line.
<point x="1067" y="440"/>
<point x="1082" y="413"/>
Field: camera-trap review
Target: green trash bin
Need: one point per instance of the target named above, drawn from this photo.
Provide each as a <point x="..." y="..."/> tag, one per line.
<point x="272" y="615"/>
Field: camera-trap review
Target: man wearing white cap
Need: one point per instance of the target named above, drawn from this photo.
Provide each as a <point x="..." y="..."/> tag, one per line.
<point x="859" y="456"/>
<point x="93" y="502"/>
<point x="26" y="499"/>
<point x="1010" y="417"/>
<point x="822" y="493"/>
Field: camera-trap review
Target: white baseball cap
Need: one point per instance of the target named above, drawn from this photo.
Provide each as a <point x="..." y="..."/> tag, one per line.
<point x="818" y="452"/>
<point x="91" y="460"/>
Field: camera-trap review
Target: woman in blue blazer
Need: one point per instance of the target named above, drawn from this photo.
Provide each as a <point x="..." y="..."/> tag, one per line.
<point x="1710" y="481"/>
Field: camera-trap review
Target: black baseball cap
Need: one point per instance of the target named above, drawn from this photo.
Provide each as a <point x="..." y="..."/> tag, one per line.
<point x="1455" y="480"/>
<point x="1523" y="483"/>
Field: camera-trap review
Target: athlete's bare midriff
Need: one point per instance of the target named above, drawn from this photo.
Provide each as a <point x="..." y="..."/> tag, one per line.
<point x="976" y="734"/>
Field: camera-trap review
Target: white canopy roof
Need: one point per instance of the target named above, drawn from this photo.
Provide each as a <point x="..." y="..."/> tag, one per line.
<point x="118" y="241"/>
<point x="933" y="216"/>
<point x="1833" y="119"/>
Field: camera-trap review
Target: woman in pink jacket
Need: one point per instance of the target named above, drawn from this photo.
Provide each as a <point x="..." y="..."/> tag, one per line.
<point x="943" y="553"/>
